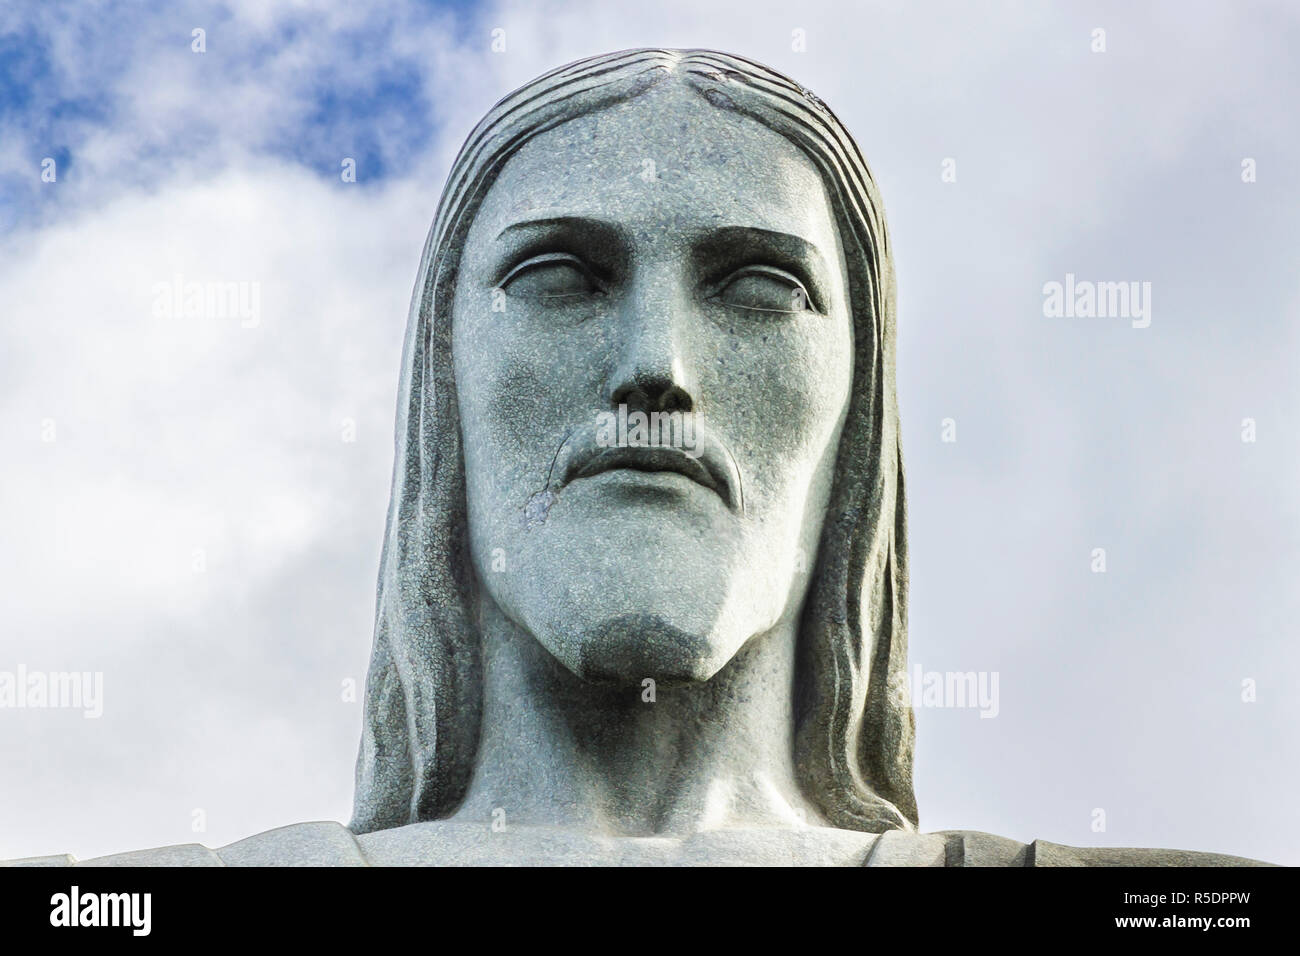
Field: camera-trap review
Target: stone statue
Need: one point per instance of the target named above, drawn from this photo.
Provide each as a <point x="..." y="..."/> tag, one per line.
<point x="644" y="585"/>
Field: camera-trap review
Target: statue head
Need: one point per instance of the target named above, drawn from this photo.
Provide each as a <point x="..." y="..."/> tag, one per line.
<point x="647" y="409"/>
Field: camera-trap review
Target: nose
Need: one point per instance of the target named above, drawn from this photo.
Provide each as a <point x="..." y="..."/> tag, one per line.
<point x="650" y="372"/>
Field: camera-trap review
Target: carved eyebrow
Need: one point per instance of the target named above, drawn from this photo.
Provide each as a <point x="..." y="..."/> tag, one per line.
<point x="722" y="239"/>
<point x="600" y="230"/>
<point x="602" y="245"/>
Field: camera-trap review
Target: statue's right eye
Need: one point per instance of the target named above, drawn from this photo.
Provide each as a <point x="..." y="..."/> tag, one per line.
<point x="556" y="275"/>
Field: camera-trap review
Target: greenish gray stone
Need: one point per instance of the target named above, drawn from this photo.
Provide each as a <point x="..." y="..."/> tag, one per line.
<point x="303" y="844"/>
<point x="61" y="859"/>
<point x="439" y="843"/>
<point x="184" y="854"/>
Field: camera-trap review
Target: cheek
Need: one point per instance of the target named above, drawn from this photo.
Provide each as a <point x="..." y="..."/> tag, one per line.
<point x="788" y="390"/>
<point x="501" y="389"/>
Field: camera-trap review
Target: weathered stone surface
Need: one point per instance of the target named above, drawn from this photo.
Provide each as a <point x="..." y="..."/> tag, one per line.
<point x="184" y="854"/>
<point x="443" y="843"/>
<point x="897" y="848"/>
<point x="1044" y="853"/>
<point x="61" y="859"/>
<point x="303" y="844"/>
<point x="972" y="848"/>
<point x="598" y="633"/>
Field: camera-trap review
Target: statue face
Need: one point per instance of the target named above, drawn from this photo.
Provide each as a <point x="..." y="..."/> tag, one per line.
<point x="659" y="258"/>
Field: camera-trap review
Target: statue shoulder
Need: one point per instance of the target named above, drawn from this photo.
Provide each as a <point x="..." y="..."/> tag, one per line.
<point x="443" y="843"/>
<point x="322" y="843"/>
<point x="974" y="848"/>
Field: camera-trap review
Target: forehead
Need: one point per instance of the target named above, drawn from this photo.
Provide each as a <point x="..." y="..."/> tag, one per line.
<point x="666" y="157"/>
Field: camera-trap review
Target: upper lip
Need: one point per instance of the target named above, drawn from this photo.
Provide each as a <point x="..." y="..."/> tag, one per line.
<point x="711" y="468"/>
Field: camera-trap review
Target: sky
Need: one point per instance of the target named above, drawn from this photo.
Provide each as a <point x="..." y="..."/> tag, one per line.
<point x="193" y="505"/>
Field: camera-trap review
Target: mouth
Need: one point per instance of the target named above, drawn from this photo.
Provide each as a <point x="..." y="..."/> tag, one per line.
<point x="704" y="471"/>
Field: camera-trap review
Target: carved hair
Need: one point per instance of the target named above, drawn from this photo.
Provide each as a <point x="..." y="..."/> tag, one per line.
<point x="854" y="723"/>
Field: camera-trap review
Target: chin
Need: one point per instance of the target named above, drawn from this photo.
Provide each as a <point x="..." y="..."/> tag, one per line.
<point x="625" y="650"/>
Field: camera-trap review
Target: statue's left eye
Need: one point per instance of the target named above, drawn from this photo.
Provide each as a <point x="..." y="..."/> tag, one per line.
<point x="765" y="289"/>
<point x="551" y="276"/>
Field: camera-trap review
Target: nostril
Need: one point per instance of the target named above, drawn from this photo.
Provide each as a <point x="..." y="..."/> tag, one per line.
<point x="652" y="396"/>
<point x="675" y="399"/>
<point x="633" y="397"/>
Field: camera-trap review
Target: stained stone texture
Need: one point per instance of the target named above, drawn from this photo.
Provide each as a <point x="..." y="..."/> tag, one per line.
<point x="642" y="598"/>
<point x="710" y="624"/>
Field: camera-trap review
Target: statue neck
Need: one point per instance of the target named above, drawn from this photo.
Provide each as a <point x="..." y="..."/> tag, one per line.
<point x="556" y="751"/>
